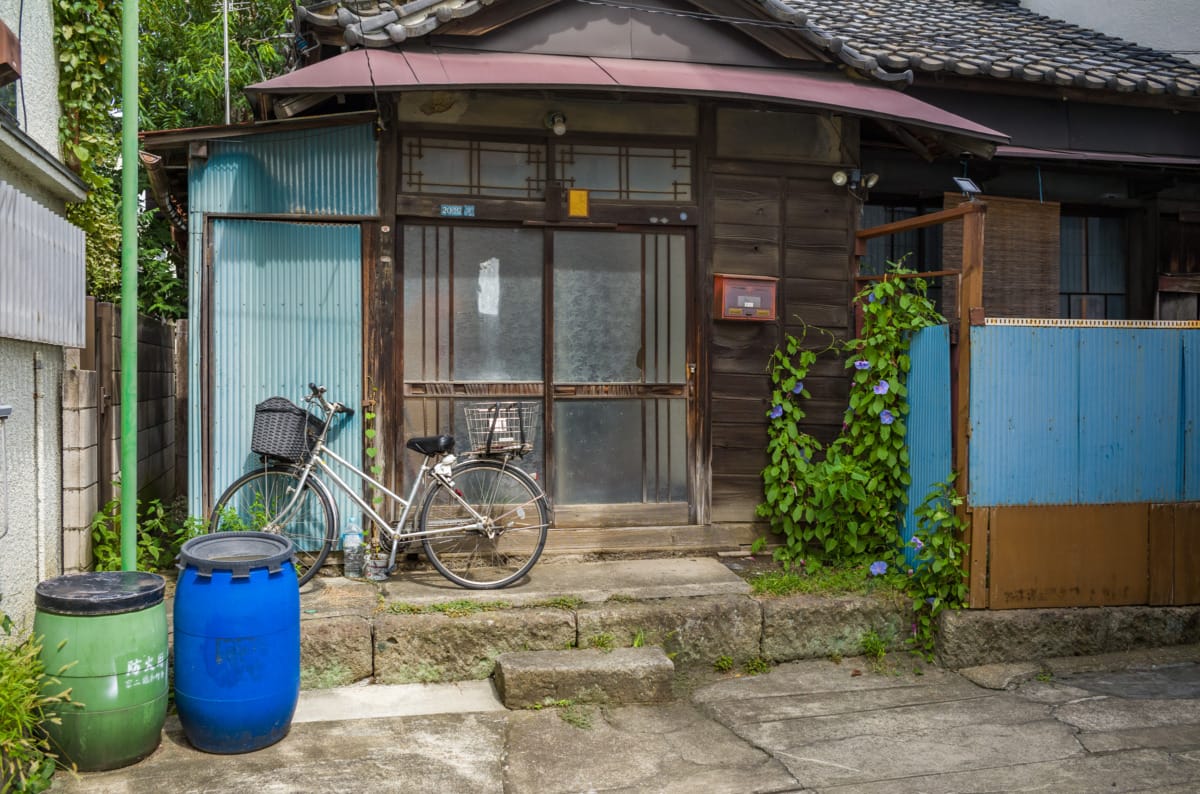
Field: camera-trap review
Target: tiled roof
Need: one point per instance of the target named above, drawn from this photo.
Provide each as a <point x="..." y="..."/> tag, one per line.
<point x="890" y="40"/>
<point x="984" y="38"/>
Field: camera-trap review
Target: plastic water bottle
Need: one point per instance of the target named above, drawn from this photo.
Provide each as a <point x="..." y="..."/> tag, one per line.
<point x="352" y="552"/>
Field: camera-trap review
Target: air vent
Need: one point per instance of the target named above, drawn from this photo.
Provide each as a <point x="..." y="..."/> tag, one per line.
<point x="10" y="55"/>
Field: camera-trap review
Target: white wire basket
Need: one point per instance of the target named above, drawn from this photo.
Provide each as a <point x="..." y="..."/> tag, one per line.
<point x="499" y="428"/>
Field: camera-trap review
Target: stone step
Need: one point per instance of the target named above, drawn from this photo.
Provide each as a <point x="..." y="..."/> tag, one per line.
<point x="623" y="675"/>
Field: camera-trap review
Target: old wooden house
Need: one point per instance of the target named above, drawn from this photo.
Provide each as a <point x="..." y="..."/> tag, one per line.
<point x="617" y="211"/>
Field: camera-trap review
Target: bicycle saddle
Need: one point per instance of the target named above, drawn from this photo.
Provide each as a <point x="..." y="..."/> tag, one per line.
<point x="431" y="445"/>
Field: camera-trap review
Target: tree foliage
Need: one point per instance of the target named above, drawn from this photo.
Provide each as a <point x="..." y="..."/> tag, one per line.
<point x="181" y="84"/>
<point x="182" y="62"/>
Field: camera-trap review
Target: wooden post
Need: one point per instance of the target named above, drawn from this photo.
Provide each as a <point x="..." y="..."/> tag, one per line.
<point x="970" y="309"/>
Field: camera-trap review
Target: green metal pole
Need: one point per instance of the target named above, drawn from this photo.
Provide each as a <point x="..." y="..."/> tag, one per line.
<point x="129" y="301"/>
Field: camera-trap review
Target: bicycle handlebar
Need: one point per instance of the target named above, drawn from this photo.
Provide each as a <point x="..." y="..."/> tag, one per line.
<point x="318" y="394"/>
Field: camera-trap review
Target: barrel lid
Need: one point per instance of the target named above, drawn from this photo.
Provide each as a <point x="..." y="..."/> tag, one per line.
<point x="236" y="552"/>
<point x="99" y="593"/>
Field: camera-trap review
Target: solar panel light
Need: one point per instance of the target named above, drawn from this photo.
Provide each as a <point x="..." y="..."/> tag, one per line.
<point x="967" y="186"/>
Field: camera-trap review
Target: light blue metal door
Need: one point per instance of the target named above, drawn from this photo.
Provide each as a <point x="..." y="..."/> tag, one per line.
<point x="286" y="310"/>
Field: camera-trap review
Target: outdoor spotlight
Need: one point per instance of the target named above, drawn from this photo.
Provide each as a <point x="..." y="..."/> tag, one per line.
<point x="967" y="186"/>
<point x="869" y="181"/>
<point x="557" y="122"/>
<point x="840" y="178"/>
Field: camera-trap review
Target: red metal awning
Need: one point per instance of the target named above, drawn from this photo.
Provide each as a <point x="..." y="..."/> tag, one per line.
<point x="363" y="70"/>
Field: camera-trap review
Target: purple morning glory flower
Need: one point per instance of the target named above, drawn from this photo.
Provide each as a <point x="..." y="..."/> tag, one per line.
<point x="798" y="387"/>
<point x="885" y="416"/>
<point x="776" y="411"/>
<point x="917" y="543"/>
<point x="881" y="387"/>
<point x="862" y="363"/>
<point x="878" y="568"/>
<point x="871" y="298"/>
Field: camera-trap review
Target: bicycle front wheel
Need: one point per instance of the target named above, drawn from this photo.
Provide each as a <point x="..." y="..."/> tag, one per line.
<point x="487" y="531"/>
<point x="259" y="501"/>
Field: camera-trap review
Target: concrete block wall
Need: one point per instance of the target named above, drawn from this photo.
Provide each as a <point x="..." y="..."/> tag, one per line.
<point x="81" y="482"/>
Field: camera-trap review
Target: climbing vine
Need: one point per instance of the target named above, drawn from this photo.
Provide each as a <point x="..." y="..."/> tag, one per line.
<point x="840" y="503"/>
<point x="87" y="38"/>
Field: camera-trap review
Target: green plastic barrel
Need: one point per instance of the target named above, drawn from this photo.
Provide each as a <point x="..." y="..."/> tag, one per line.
<point x="111" y="629"/>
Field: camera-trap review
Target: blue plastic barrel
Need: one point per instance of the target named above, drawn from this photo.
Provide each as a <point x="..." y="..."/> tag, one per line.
<point x="237" y="641"/>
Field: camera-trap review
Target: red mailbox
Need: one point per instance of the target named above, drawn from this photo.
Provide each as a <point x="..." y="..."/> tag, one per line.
<point x="745" y="297"/>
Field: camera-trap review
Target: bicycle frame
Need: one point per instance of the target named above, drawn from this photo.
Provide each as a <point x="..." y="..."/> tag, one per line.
<point x="439" y="472"/>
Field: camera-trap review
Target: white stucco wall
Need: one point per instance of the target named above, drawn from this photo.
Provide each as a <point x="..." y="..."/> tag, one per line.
<point x="30" y="473"/>
<point x="39" y="69"/>
<point x="1170" y="25"/>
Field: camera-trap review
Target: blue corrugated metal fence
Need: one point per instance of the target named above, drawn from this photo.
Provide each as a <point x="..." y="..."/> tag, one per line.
<point x="929" y="441"/>
<point x="1063" y="415"/>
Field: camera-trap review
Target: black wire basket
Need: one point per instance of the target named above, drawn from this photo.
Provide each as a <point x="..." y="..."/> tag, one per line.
<point x="283" y="430"/>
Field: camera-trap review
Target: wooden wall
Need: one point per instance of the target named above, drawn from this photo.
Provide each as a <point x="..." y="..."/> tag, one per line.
<point x="789" y="221"/>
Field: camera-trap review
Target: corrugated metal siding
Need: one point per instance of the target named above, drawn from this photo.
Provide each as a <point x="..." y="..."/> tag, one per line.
<point x="1024" y="416"/>
<point x="1129" y="415"/>
<point x="323" y="171"/>
<point x="929" y="441"/>
<point x="42" y="276"/>
<point x="1083" y="415"/>
<point x="287" y="311"/>
<point x="328" y="171"/>
<point x="1190" y="397"/>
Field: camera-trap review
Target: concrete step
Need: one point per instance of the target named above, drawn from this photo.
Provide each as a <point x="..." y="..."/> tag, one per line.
<point x="621" y="676"/>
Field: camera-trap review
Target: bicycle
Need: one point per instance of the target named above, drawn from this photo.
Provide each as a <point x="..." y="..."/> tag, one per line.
<point x="483" y="521"/>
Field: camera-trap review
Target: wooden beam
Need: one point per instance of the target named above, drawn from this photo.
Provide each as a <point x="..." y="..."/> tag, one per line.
<point x="977" y="558"/>
<point x="970" y="297"/>
<point x="923" y="221"/>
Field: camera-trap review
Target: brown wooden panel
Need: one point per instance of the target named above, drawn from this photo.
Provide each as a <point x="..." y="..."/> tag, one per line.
<point x="735" y="498"/>
<point x="620" y="515"/>
<point x="812" y="261"/>
<point x="740" y="385"/>
<point x="1162" y="554"/>
<point x="740" y="411"/>
<point x="810" y="206"/>
<point x="722" y="536"/>
<point x="743" y="347"/>
<point x="978" y="559"/>
<point x="750" y="435"/>
<point x="819" y="239"/>
<point x="1066" y="556"/>
<point x="742" y="233"/>
<point x="831" y="318"/>
<point x="827" y="292"/>
<point x="748" y="462"/>
<point x="746" y="199"/>
<point x="745" y="258"/>
<point x="1187" y="554"/>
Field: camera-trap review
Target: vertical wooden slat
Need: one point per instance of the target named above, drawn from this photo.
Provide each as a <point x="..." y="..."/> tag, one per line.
<point x="970" y="297"/>
<point x="384" y="329"/>
<point x="1162" y="551"/>
<point x="107" y="377"/>
<point x="1186" y="554"/>
<point x="980" y="520"/>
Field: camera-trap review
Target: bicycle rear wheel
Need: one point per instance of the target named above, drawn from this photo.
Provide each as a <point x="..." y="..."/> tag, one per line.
<point x="256" y="500"/>
<point x="500" y="549"/>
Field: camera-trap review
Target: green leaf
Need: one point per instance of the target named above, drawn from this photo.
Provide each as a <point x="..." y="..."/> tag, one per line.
<point x="370" y="451"/>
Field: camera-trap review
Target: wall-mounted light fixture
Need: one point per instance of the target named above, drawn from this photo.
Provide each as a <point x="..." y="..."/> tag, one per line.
<point x="556" y="121"/>
<point x="855" y="181"/>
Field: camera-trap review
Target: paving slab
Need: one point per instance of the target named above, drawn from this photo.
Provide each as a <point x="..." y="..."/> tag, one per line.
<point x="672" y="749"/>
<point x="589" y="581"/>
<point x="396" y="700"/>
<point x="450" y="753"/>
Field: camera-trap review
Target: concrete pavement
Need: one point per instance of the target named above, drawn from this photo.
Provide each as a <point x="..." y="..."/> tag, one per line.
<point x="1118" y="723"/>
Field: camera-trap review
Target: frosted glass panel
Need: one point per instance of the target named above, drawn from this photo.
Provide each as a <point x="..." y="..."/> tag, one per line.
<point x="426" y="286"/>
<point x="597" y="459"/>
<point x="627" y="173"/>
<point x="497" y="304"/>
<point x="480" y="168"/>
<point x="597" y="307"/>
